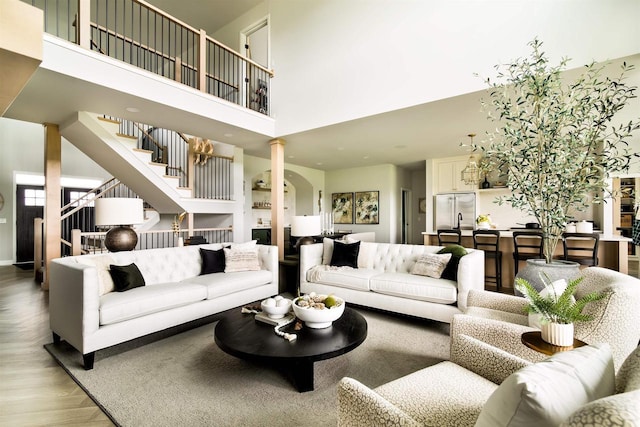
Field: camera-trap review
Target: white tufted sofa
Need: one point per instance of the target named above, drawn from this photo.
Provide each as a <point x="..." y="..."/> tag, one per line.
<point x="382" y="279"/>
<point x="174" y="293"/>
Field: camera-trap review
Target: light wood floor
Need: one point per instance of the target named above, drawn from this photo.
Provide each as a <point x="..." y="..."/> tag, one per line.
<point x="34" y="390"/>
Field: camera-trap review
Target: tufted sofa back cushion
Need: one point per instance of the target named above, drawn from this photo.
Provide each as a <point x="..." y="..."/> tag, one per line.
<point x="164" y="265"/>
<point x="398" y="258"/>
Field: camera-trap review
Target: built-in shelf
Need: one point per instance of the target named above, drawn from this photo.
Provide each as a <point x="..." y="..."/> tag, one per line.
<point x="267" y="190"/>
<point x="263" y="208"/>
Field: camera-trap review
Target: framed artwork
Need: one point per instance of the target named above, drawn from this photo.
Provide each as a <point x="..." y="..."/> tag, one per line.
<point x="342" y="208"/>
<point x="422" y="205"/>
<point x="367" y="207"/>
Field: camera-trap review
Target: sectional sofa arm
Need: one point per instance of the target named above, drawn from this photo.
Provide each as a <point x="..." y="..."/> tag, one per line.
<point x="74" y="301"/>
<point x="359" y="406"/>
<point x="470" y="276"/>
<point x="310" y="256"/>
<point x="496" y="301"/>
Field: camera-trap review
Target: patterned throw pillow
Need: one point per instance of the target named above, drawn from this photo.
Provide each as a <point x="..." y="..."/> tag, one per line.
<point x="241" y="260"/>
<point x="431" y="265"/>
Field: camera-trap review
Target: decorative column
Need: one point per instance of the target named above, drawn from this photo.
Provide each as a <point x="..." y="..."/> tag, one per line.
<point x="277" y="195"/>
<point x="53" y="196"/>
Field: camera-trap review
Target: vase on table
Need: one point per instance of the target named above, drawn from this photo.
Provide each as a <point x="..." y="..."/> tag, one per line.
<point x="560" y="334"/>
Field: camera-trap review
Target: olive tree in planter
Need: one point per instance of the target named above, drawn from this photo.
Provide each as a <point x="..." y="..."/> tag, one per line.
<point x="555" y="140"/>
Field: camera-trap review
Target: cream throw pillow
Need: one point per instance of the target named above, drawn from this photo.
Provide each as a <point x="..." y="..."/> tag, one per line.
<point x="548" y="392"/>
<point x="431" y="265"/>
<point x="241" y="260"/>
<point x="101" y="263"/>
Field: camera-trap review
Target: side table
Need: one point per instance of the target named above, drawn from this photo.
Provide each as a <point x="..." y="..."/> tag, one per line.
<point x="534" y="341"/>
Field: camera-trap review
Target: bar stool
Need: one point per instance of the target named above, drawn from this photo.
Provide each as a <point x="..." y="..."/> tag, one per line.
<point x="581" y="248"/>
<point x="526" y="245"/>
<point x="489" y="242"/>
<point x="449" y="237"/>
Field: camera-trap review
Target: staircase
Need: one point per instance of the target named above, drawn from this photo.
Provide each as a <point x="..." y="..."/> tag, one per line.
<point x="100" y="140"/>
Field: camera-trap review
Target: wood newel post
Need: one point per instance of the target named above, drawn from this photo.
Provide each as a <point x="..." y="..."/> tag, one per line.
<point x="277" y="195"/>
<point x="202" y="62"/>
<point x="83" y="24"/>
<point x="178" y="71"/>
<point x="76" y="242"/>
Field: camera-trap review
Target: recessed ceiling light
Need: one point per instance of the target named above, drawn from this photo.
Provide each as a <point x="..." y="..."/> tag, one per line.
<point x="291" y="157"/>
<point x="228" y="135"/>
<point x="365" y="157"/>
<point x="340" y="148"/>
<point x="132" y="109"/>
<point x="319" y="163"/>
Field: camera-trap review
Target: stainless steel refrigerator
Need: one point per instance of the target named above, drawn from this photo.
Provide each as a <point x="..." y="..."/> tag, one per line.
<point x="455" y="210"/>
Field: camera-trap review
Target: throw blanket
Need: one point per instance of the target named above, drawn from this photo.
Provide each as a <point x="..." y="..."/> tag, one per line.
<point x="315" y="273"/>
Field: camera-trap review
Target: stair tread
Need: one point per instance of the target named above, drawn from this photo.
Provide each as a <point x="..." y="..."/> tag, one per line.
<point x="142" y="150"/>
<point x="158" y="164"/>
<point x="122" y="135"/>
<point x="171" y="176"/>
<point x="104" y="119"/>
<point x="184" y="188"/>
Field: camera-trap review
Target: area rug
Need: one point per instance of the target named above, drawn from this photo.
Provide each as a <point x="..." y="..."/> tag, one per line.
<point x="185" y="379"/>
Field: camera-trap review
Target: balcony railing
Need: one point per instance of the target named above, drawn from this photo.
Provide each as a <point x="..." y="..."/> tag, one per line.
<point x="142" y="35"/>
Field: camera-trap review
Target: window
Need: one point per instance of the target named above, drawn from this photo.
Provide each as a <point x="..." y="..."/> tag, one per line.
<point x="33" y="197"/>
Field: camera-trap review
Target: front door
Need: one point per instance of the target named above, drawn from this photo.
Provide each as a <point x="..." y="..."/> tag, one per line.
<point x="29" y="205"/>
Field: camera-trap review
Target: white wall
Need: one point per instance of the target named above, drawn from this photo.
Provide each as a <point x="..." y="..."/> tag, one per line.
<point x="387" y="179"/>
<point x="22" y="146"/>
<point x="418" y="220"/>
<point x="336" y="52"/>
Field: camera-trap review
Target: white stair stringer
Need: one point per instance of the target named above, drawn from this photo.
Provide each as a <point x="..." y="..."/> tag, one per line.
<point x="98" y="139"/>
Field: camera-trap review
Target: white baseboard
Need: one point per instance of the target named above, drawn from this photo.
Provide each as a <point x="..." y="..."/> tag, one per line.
<point x="6" y="262"/>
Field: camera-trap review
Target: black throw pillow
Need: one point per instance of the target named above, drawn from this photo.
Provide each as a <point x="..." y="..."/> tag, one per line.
<point x="451" y="270"/>
<point x="345" y="254"/>
<point x="212" y="261"/>
<point x="126" y="277"/>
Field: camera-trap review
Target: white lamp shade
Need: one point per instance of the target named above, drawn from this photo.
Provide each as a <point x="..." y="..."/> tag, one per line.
<point x="303" y="226"/>
<point x="119" y="211"/>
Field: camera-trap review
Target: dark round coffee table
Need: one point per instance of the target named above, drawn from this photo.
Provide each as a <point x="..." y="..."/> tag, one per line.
<point x="242" y="336"/>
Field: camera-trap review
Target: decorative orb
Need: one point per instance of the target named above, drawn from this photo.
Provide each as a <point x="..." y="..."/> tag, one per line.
<point x="120" y="239"/>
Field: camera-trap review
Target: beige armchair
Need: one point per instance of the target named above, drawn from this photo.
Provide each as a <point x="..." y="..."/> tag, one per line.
<point x="499" y="320"/>
<point x="571" y="389"/>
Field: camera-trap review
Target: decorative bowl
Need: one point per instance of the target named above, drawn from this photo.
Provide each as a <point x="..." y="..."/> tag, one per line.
<point x="278" y="310"/>
<point x="318" y="319"/>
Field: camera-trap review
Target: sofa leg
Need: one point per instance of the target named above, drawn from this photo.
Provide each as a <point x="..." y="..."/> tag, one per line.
<point x="56" y="338"/>
<point x="88" y="360"/>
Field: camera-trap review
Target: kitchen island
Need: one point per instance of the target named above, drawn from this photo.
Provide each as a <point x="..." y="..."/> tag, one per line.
<point x="612" y="252"/>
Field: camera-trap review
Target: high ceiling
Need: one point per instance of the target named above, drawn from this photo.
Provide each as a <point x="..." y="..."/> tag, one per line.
<point x="404" y="137"/>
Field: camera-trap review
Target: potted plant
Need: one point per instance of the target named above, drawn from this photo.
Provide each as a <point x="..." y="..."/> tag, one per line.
<point x="557" y="307"/>
<point x="555" y="140"/>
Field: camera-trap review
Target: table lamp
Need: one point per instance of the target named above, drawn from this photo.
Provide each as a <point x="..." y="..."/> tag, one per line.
<point x="121" y="213"/>
<point x="305" y="227"/>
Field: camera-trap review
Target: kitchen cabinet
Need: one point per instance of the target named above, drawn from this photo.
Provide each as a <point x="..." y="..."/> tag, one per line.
<point x="447" y="175"/>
